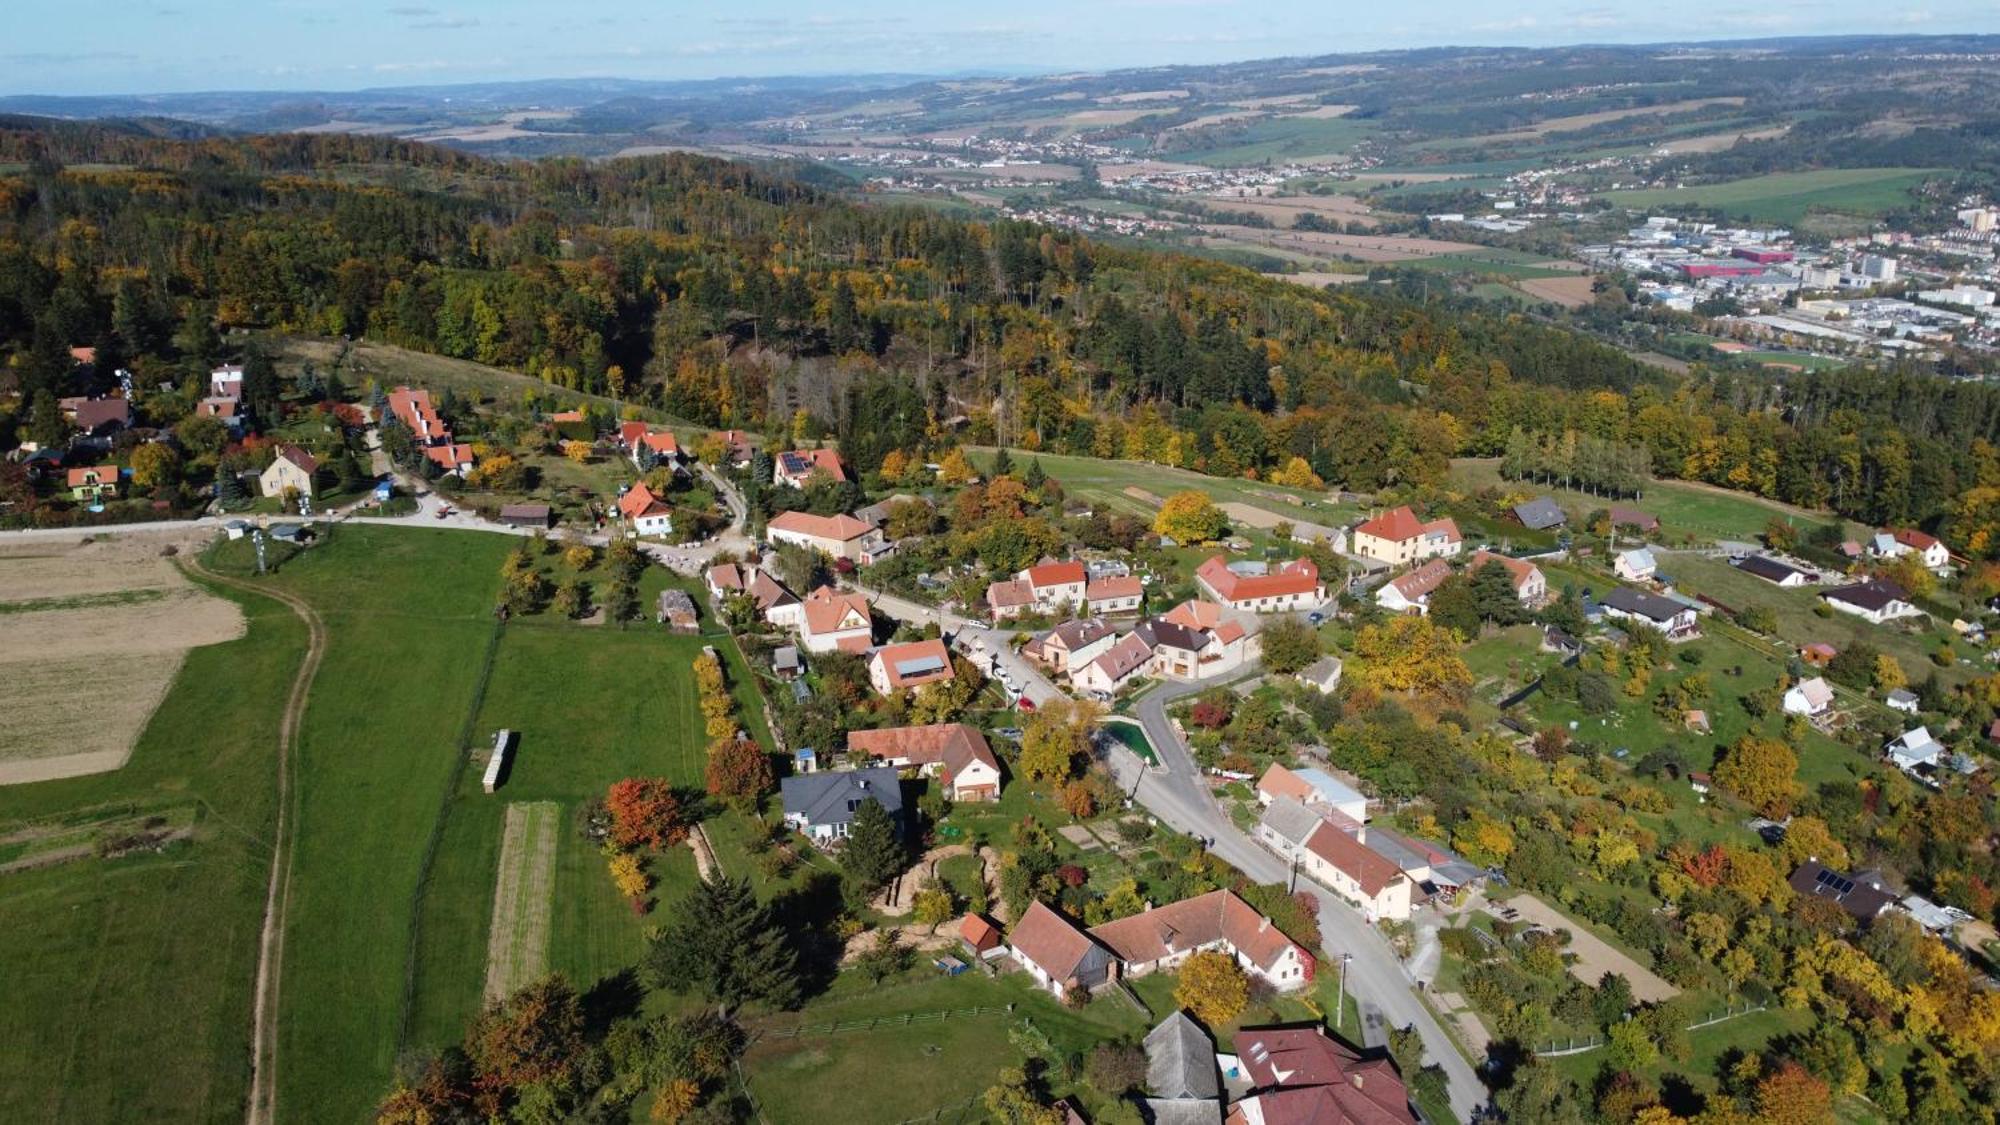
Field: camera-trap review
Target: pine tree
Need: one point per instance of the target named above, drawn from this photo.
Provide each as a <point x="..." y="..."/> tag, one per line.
<point x="1034" y="477"/>
<point x="1003" y="462"/>
<point x="723" y="942"/>
<point x="873" y="853"/>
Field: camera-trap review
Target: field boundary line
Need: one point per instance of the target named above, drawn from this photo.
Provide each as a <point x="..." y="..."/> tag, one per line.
<point x="262" y="1105"/>
<point x="407" y="1009"/>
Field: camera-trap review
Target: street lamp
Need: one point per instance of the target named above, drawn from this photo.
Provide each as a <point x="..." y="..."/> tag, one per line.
<point x="1340" y="1010"/>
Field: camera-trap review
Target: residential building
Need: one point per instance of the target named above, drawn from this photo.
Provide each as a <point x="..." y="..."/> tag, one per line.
<point x="1902" y="699"/>
<point x="291" y="470"/>
<point x="1636" y="565"/>
<point x="1907" y="540"/>
<point x="231" y="411"/>
<point x="833" y="620"/>
<point x="1913" y="750"/>
<point x="226" y="382"/>
<point x="822" y="804"/>
<point x="1114" y="668"/>
<point x="1531" y="587"/>
<point x="1334" y="855"/>
<point x="1313" y="787"/>
<point x="1876" y="600"/>
<point x="1323" y="674"/>
<point x="1676" y="619"/>
<point x="1114" y="595"/>
<point x="1539" y="514"/>
<point x="980" y="935"/>
<point x="531" y="516"/>
<point x="1411" y="593"/>
<point x="1163" y="937"/>
<point x="775" y="603"/>
<point x="839" y="536"/>
<point x="1183" y="1086"/>
<point x="1070" y="645"/>
<point x="1303" y="1076"/>
<point x="736" y="447"/>
<point x="646" y="513"/>
<point x="1864" y="895"/>
<point x="1643" y="522"/>
<point x="955" y="754"/>
<point x="1058" y="954"/>
<point x="1177" y="650"/>
<point x="1397" y="537"/>
<point x="909" y="666"/>
<point x="413" y="408"/>
<point x="97" y="417"/>
<point x="1809" y="698"/>
<point x="1048" y="587"/>
<point x="641" y="442"/>
<point x="1774" y="571"/>
<point x="93" y="484"/>
<point x="1287" y="587"/>
<point x="794" y="467"/>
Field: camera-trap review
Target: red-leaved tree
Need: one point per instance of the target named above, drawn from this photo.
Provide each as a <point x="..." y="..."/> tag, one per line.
<point x="645" y="812"/>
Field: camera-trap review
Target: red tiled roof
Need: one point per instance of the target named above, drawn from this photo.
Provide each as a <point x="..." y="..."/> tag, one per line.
<point x="1050" y="940"/>
<point x="926" y="652"/>
<point x="979" y="933"/>
<point x="1195" y="614"/>
<point x="1401" y="524"/>
<point x="1281" y="782"/>
<point x="299" y="457"/>
<point x="1418" y="583"/>
<point x="952" y="746"/>
<point x="1055" y="574"/>
<point x="449" y="456"/>
<point x="1520" y="569"/>
<point x="839" y="528"/>
<point x="1373" y="870"/>
<point x="639" y="501"/>
<point x="1201" y="920"/>
<point x="1915" y="540"/>
<point x="1119" y="661"/>
<point x="93" y="474"/>
<point x="808" y="461"/>
<point x="562" y="416"/>
<point x="1009" y="594"/>
<point x="1105" y="589"/>
<point x="826" y="607"/>
<point x="1299" y="576"/>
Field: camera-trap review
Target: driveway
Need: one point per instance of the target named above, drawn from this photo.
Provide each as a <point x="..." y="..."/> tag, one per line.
<point x="1594" y="956"/>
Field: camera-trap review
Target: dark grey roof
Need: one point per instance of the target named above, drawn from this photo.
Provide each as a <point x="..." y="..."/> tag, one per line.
<point x="1649" y="606"/>
<point x="1864" y="894"/>
<point x="1768" y="568"/>
<point x="1183" y="1111"/>
<point x="1540" y="513"/>
<point x="1404" y="854"/>
<point x="1180" y="1060"/>
<point x="1871" y="595"/>
<point x="833" y="796"/>
<point x="1157" y="631"/>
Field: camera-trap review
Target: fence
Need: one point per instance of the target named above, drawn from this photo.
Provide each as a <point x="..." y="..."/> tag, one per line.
<point x="1572" y="1046"/>
<point x="871" y="1023"/>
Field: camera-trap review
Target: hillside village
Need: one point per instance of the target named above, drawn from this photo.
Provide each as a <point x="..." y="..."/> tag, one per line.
<point x="967" y="650"/>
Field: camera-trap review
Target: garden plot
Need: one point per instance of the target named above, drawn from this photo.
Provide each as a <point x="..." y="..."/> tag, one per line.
<point x="517" y="950"/>
<point x="95" y="632"/>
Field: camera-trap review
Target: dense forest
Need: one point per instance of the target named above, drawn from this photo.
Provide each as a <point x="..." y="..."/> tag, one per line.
<point x="736" y="296"/>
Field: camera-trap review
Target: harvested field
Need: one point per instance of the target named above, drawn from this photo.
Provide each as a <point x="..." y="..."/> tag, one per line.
<point x="1570" y="292"/>
<point x="1143" y="496"/>
<point x="517" y="949"/>
<point x="96" y="632"/>
<point x="1586" y="120"/>
<point x="1324" y="112"/>
<point x="1717" y="142"/>
<point x="1365" y="247"/>
<point x="1286" y="209"/>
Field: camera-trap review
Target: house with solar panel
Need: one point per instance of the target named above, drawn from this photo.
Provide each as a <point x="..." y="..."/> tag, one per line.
<point x="907" y="667"/>
<point x="794" y="467"/>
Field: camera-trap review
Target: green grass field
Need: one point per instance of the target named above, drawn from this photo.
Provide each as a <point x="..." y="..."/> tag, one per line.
<point x="129" y="980"/>
<point x="1786" y="197"/>
<point x="1281" y="139"/>
<point x="1103" y="484"/>
<point x="1683" y="509"/>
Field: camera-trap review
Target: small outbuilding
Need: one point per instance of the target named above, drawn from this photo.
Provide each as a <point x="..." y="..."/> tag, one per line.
<point x="677" y="611"/>
<point x="525" y="515"/>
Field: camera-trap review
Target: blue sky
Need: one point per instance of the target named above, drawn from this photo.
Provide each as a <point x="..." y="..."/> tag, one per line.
<point x="138" y="46"/>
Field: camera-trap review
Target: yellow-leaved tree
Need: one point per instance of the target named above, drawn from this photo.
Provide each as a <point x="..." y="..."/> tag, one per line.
<point x="1412" y="654"/>
<point x="1189" y="517"/>
<point x="1212" y="987"/>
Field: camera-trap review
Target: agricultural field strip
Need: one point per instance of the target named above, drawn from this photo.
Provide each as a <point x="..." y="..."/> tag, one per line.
<point x="517" y="949"/>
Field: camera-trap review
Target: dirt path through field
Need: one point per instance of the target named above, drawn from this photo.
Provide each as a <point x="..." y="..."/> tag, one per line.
<point x="517" y="947"/>
<point x="263" y="1103"/>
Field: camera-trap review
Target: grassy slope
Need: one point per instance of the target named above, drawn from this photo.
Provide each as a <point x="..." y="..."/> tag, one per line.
<point x="129" y="980"/>
<point x="1683" y="509"/>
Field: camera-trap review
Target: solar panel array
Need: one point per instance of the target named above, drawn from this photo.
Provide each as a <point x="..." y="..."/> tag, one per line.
<point x="1836" y="883"/>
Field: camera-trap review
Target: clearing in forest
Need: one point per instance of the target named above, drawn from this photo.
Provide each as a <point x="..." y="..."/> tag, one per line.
<point x="517" y="950"/>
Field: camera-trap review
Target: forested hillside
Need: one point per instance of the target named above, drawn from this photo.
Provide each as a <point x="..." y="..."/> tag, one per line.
<point x="735" y="296"/>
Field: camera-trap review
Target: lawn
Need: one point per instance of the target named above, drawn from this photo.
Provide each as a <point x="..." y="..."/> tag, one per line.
<point x="1280" y="139"/>
<point x="130" y="979"/>
<point x="1685" y="511"/>
<point x="1747" y="1032"/>
<point x="1786" y="197"/>
<point x="1103" y="483"/>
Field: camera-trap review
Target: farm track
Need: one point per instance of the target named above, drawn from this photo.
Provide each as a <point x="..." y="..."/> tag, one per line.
<point x="263" y="1101"/>
<point x="517" y="947"/>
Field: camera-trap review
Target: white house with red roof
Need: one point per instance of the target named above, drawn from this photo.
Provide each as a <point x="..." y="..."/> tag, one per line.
<point x="638" y="439"/>
<point x="777" y="604"/>
<point x="1398" y="537"/>
<point x="645" y="512"/>
<point x="833" y="620"/>
<point x="794" y="467"/>
<point x="956" y="754"/>
<point x="909" y="666"/>
<point x="1163" y="937"/>
<point x="1113" y="668"/>
<point x="1048" y="587"/>
<point x="1284" y="588"/>
<point x="1530" y="585"/>
<point x="1894" y="544"/>
<point x="840" y="536"/>
<point x="1331" y="848"/>
<point x="1121" y="594"/>
<point x="413" y="408"/>
<point x="1411" y="593"/>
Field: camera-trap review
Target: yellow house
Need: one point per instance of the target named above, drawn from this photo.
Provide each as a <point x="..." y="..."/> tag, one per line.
<point x="292" y="469"/>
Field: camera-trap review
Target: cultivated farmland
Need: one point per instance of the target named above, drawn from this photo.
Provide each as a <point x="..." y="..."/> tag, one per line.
<point x="1785" y="197"/>
<point x="517" y="951"/>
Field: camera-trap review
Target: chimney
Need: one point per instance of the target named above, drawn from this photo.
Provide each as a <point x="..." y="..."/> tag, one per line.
<point x="1357" y="1077"/>
<point x="1263" y="924"/>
